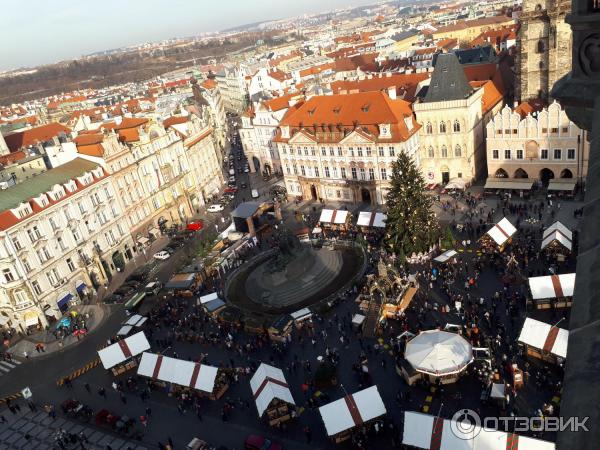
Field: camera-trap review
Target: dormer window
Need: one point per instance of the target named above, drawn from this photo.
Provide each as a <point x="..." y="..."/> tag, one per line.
<point x="365" y="108"/>
<point x="285" y="132"/>
<point x="385" y="131"/>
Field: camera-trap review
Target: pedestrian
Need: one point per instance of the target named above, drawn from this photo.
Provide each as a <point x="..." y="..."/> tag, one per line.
<point x="144" y="421"/>
<point x="102" y="392"/>
<point x="148" y="411"/>
<point x="86" y="386"/>
<point x="170" y="441"/>
<point x="123" y="398"/>
<point x="308" y="434"/>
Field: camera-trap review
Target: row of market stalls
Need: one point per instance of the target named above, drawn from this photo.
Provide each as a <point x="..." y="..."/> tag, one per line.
<point x="561" y="186"/>
<point x="430" y="432"/>
<point x="339" y="218"/>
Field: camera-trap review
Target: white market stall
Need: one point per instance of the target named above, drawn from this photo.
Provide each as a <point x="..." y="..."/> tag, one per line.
<point x="351" y="411"/>
<point x="447" y="255"/>
<point x="301" y="316"/>
<point x="272" y="394"/>
<point x="557" y="235"/>
<point x="557" y="289"/>
<point x="371" y="219"/>
<point x="136" y="320"/>
<point x="429" y="432"/>
<point x="208" y="298"/>
<point x="544" y="341"/>
<point x="124" y="351"/>
<point x="183" y="373"/>
<point x="439" y="354"/>
<point x="334" y="217"/>
<point x="501" y="232"/>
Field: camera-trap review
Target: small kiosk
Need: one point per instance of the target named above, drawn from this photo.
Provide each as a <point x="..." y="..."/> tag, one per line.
<point x="439" y="355"/>
<point x="211" y="303"/>
<point x="272" y="394"/>
<point x="135" y="321"/>
<point x="281" y="328"/>
<point x="343" y="416"/>
<point x="552" y="291"/>
<point x="498" y="236"/>
<point x="428" y="432"/>
<point x="557" y="240"/>
<point x="544" y="341"/>
<point x="120" y="357"/>
<point x="184" y="284"/>
<point x="209" y="380"/>
<point x="446" y="256"/>
<point x="334" y="218"/>
<point x="368" y="219"/>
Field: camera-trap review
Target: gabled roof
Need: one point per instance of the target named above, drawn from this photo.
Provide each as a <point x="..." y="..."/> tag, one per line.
<point x="448" y="81"/>
<point x="529" y="107"/>
<point x="32" y="136"/>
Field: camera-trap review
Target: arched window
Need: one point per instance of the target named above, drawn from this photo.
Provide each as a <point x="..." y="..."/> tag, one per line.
<point x="442" y="127"/>
<point x="444" y="151"/>
<point x="430" y="152"/>
<point x="541" y="47"/>
<point x="456" y="126"/>
<point x="457" y="151"/>
<point x="541" y="65"/>
<point x="428" y="128"/>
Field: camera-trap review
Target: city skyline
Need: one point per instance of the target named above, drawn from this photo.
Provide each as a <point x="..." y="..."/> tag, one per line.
<point x="79" y="32"/>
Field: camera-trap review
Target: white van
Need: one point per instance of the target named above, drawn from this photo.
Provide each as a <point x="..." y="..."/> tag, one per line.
<point x="255" y="193"/>
<point x="153" y="288"/>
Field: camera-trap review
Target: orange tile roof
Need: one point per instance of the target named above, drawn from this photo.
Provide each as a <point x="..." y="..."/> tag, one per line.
<point x="279" y="103"/>
<point x="529" y="107"/>
<point x="12" y="158"/>
<point x="316" y="69"/>
<point x="364" y="111"/>
<point x="278" y="75"/>
<point x="491" y="94"/>
<point x="366" y="61"/>
<point x="495" y="37"/>
<point x="32" y="136"/>
<point x="209" y="83"/>
<point x="91" y="150"/>
<point x="173" y="120"/>
<point x="88" y="139"/>
<point x="405" y="84"/>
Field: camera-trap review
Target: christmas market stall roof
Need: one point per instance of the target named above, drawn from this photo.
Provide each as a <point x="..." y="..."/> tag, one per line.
<point x="352" y="411"/>
<point x="267" y="384"/>
<point x="178" y="371"/>
<point x="209" y="297"/>
<point x="335" y="216"/>
<point x="558" y="226"/>
<point x="136" y="320"/>
<point x="123" y="350"/>
<point x="438" y="353"/>
<point x="502" y="231"/>
<point x="445" y="256"/>
<point x="246" y="209"/>
<point x="518" y="184"/>
<point x="544" y="337"/>
<point x="181" y="281"/>
<point x="371" y="219"/>
<point x="557" y="232"/>
<point x="552" y="286"/>
<point x="425" y="431"/>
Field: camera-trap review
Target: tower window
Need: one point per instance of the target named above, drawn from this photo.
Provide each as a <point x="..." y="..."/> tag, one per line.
<point x="541" y="47"/>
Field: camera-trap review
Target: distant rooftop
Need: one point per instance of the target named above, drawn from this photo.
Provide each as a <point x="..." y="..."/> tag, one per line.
<point x="245" y="210"/>
<point x="448" y="81"/>
<point x="28" y="189"/>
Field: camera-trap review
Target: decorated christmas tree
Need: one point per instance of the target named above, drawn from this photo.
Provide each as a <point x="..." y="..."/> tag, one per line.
<point x="411" y="225"/>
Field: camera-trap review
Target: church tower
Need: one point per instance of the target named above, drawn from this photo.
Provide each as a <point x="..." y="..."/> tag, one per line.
<point x="544" y="47"/>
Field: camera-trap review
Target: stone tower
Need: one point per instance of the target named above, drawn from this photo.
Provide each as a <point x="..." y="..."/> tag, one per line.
<point x="544" y="47"/>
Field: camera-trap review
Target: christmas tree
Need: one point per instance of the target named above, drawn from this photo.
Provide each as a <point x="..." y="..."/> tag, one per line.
<point x="411" y="225"/>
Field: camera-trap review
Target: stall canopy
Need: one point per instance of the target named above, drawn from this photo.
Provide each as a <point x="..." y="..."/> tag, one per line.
<point x="371" y="219"/>
<point x="30" y="318"/>
<point x="502" y="231"/>
<point x="557" y="232"/>
<point x="518" y="184"/>
<point x="352" y="410"/>
<point x="209" y="297"/>
<point x="213" y="305"/>
<point x="439" y="353"/>
<point x="335" y="216"/>
<point x="267" y="384"/>
<point x="123" y="350"/>
<point x="178" y="371"/>
<point x="125" y="330"/>
<point x="553" y="286"/>
<point x="136" y="320"/>
<point x="181" y="281"/>
<point x="544" y="337"/>
<point x="445" y="256"/>
<point x="428" y="432"/>
<point x="301" y="314"/>
<point x="562" y="185"/>
<point x="457" y="183"/>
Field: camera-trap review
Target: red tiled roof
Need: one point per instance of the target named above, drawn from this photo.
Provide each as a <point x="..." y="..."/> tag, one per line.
<point x="405" y="84"/>
<point x="173" y="120"/>
<point x="12" y="158"/>
<point x="529" y="107"/>
<point x="32" y="136"/>
<point x="209" y="83"/>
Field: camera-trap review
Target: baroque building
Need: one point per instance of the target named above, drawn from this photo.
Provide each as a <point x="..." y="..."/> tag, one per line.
<point x="544" y="45"/>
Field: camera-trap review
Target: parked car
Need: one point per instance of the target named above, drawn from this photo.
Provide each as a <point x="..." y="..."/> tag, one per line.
<point x="215" y="208"/>
<point x="162" y="255"/>
<point x="255" y="193"/>
<point x="124" y="290"/>
<point x="243" y="185"/>
<point x="254" y="442"/>
<point x="231" y="190"/>
<point x="113" y="298"/>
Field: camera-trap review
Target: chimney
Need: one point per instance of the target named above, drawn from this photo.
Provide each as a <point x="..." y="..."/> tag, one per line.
<point x="392" y="92"/>
<point x="516" y="103"/>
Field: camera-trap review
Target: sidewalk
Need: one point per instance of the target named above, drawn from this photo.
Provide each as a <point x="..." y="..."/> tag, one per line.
<point x="97" y="314"/>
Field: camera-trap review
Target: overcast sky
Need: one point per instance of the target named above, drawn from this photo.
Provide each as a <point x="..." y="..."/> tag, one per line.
<point x="37" y="32"/>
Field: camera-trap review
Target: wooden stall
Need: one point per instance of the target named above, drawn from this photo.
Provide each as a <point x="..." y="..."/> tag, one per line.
<point x="336" y="219"/>
<point x="272" y="395"/>
<point x="184" y="284"/>
<point x="496" y="238"/>
<point x="544" y="341"/>
<point x="121" y="356"/>
<point x="552" y="291"/>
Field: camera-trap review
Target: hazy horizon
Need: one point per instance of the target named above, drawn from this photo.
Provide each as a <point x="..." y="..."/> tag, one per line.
<point x="67" y="29"/>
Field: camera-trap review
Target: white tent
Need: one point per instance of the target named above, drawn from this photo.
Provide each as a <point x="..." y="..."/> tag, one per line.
<point x="457" y="183"/>
<point x="124" y="330"/>
<point x="445" y="256"/>
<point x="208" y="298"/>
<point x="425" y="431"/>
<point x="558" y="237"/>
<point x="552" y="286"/>
<point x="136" y="320"/>
<point x="123" y="350"/>
<point x="502" y="231"/>
<point x="301" y="314"/>
<point x="545" y="337"/>
<point x="558" y="226"/>
<point x="333" y="216"/>
<point x="178" y="371"/>
<point x="438" y="353"/>
<point x="352" y="410"/>
<point x="371" y="219"/>
<point x="267" y="384"/>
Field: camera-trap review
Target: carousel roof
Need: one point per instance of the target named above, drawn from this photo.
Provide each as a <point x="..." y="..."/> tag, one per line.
<point x="439" y="353"/>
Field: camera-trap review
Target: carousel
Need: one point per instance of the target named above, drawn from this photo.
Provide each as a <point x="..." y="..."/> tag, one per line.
<point x="439" y="355"/>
